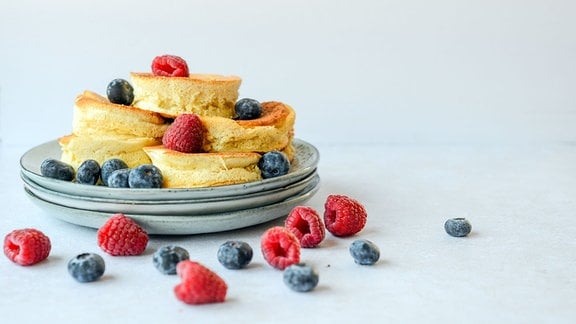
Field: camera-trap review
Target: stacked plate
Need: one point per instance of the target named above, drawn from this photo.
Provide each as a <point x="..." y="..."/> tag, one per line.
<point x="173" y="211"/>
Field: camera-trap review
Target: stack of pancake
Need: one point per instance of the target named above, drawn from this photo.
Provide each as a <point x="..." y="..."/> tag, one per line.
<point x="231" y="148"/>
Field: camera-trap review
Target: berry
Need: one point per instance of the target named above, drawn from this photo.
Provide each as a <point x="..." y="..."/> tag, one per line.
<point x="458" y="227"/>
<point x="280" y="247"/>
<point x="110" y="166"/>
<point x="199" y="285"/>
<point x="120" y="91"/>
<point x="344" y="216"/>
<point x="55" y="169"/>
<point x="167" y="257"/>
<point x="119" y="179"/>
<point x="88" y="172"/>
<point x="273" y="164"/>
<point x="170" y="65"/>
<point x="247" y="108"/>
<point x="235" y="254"/>
<point x="300" y="277"/>
<point x="305" y="223"/>
<point x="364" y="252"/>
<point x="185" y="134"/>
<point x="122" y="236"/>
<point x="145" y="176"/>
<point x="86" y="267"/>
<point x="26" y="246"/>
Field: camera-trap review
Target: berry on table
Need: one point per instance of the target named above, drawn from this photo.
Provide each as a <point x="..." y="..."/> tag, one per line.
<point x="88" y="172"/>
<point x="120" y="91"/>
<point x="364" y="252"/>
<point x="235" y="254"/>
<point x="300" y="277"/>
<point x="274" y="164"/>
<point x="56" y="169"/>
<point x="344" y="216"/>
<point x="170" y="66"/>
<point x="26" y="246"/>
<point x="122" y="236"/>
<point x="119" y="179"/>
<point x="185" y="134"/>
<point x="280" y="247"/>
<point x="167" y="257"/>
<point x="458" y="227"/>
<point x="110" y="166"/>
<point x="145" y="176"/>
<point x="199" y="285"/>
<point x="306" y="224"/>
<point x="86" y="267"/>
<point x="247" y="108"/>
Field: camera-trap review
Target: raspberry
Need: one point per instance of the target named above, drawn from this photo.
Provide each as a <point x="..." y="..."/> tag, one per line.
<point x="305" y="223"/>
<point x="26" y="246"/>
<point x="170" y="66"/>
<point x="122" y="236"/>
<point x="199" y="285"/>
<point x="343" y="215"/>
<point x="185" y="134"/>
<point x="280" y="247"/>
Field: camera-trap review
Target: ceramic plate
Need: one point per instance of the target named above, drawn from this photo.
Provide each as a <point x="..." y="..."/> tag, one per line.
<point x="306" y="159"/>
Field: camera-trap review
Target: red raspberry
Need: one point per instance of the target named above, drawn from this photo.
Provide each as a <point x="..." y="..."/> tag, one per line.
<point x="343" y="215"/>
<point x="280" y="247"/>
<point x="305" y="223"/>
<point x="170" y="66"/>
<point x="122" y="236"/>
<point x="199" y="285"/>
<point x="26" y="246"/>
<point x="185" y="134"/>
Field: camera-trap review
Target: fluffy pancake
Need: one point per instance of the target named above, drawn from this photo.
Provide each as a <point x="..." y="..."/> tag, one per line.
<point x="202" y="94"/>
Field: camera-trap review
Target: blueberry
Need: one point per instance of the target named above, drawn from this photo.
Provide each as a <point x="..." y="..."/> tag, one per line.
<point x="119" y="179"/>
<point x="110" y="166"/>
<point x="52" y="168"/>
<point x="235" y="254"/>
<point x="88" y="172"/>
<point x="300" y="277"/>
<point x="167" y="257"/>
<point x="86" y="267"/>
<point x="247" y="108"/>
<point x="145" y="176"/>
<point x="119" y="91"/>
<point x="364" y="252"/>
<point x="274" y="164"/>
<point x="458" y="227"/>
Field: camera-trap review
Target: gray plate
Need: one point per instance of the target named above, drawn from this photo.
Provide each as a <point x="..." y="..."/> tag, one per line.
<point x="305" y="161"/>
<point x="168" y="224"/>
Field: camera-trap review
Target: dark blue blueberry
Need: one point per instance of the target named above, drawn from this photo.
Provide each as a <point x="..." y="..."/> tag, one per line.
<point x="88" y="172"/>
<point x="110" y="166"/>
<point x="364" y="252"/>
<point x="86" y="267"/>
<point x="300" y="277"/>
<point x="274" y="164"/>
<point x="458" y="227"/>
<point x="145" y="176"/>
<point x="52" y="168"/>
<point x="119" y="179"/>
<point x="247" y="108"/>
<point x="120" y="91"/>
<point x="167" y="257"/>
<point x="235" y="254"/>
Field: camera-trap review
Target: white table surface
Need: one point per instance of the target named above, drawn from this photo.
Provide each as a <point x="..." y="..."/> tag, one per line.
<point x="423" y="111"/>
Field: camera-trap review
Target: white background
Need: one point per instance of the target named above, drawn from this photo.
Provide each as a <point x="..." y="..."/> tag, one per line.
<point x="422" y="110"/>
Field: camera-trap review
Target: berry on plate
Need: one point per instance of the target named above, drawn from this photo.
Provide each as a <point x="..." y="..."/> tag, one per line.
<point x="235" y="254"/>
<point x="364" y="252"/>
<point x="306" y="224"/>
<point x="145" y="176"/>
<point x="185" y="134"/>
<point x="86" y="267"/>
<point x="170" y="66"/>
<point x="280" y="247"/>
<point x="120" y="91"/>
<point x="119" y="178"/>
<point x="166" y="258"/>
<point x="247" y="108"/>
<point x="300" y="277"/>
<point x="122" y="236"/>
<point x="199" y="285"/>
<point x="88" y="172"/>
<point x="110" y="166"/>
<point x="344" y="216"/>
<point x="274" y="164"/>
<point x="56" y="169"/>
<point x="458" y="227"/>
<point x="26" y="246"/>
